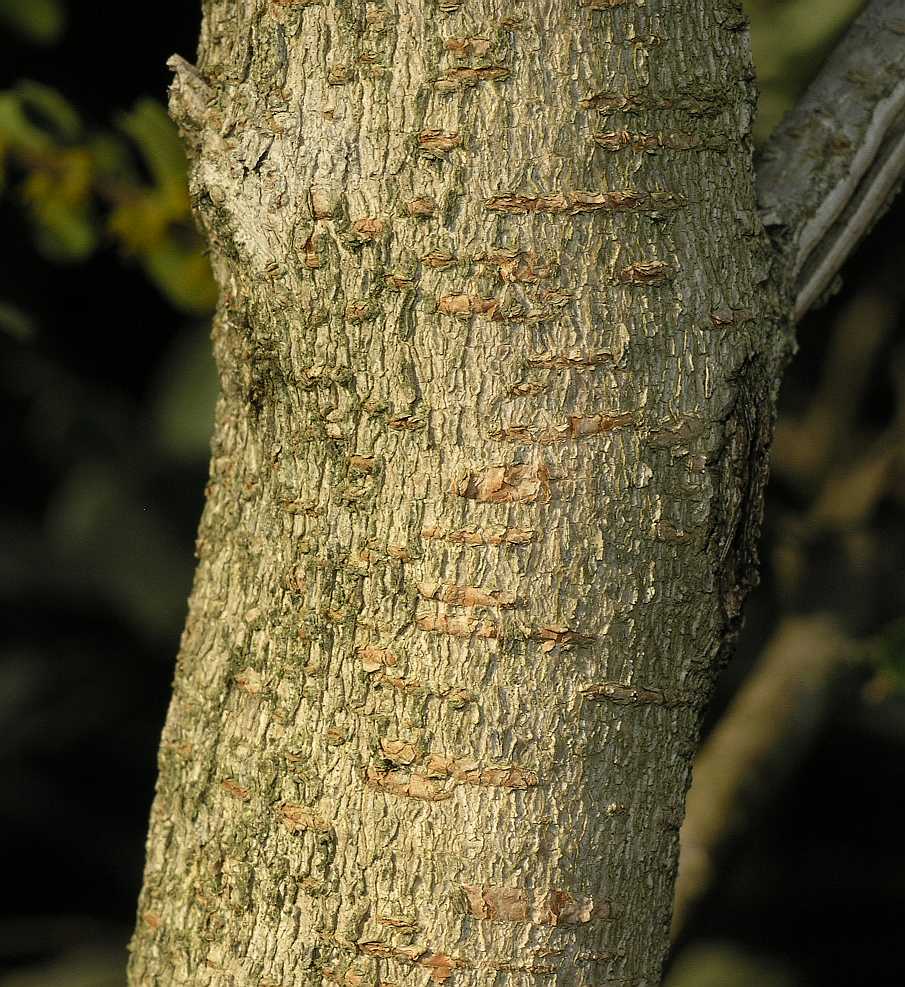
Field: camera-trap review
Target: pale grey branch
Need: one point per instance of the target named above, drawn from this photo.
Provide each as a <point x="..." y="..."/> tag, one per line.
<point x="833" y="165"/>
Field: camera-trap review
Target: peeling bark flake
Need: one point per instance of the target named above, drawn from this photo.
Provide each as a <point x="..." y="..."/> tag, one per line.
<point x="466" y="596"/>
<point x="399" y="282"/>
<point x="336" y="736"/>
<point x="339" y="75"/>
<point x="439" y="965"/>
<point x="432" y="777"/>
<point x="405" y="423"/>
<point x="468" y="47"/>
<point x="528" y="388"/>
<point x="397" y="921"/>
<point x="310" y="254"/>
<point x="324" y="203"/>
<point x="647" y="272"/>
<point x="464" y="306"/>
<point x="559" y="635"/>
<point x="407" y="785"/>
<point x="399" y="751"/>
<point x="456" y="626"/>
<point x="359" y="311"/>
<point x="517" y="266"/>
<point x="399" y="552"/>
<point x="368" y="229"/>
<point x="500" y="904"/>
<point x="458" y="79"/>
<point x="454" y="697"/>
<point x="527" y="484"/>
<point x="729" y="316"/>
<point x="299" y="819"/>
<point x="468" y="772"/>
<point x="233" y="788"/>
<point x="421" y="206"/>
<point x="249" y="680"/>
<point x="349" y="979"/>
<point x="557" y="297"/>
<point x="437" y="143"/>
<point x="664" y="531"/>
<point x="566" y="909"/>
<point x="571" y="203"/>
<point x="373" y="659"/>
<point x="363" y="464"/>
<point x="577" y="427"/>
<point x="680" y="432"/>
<point x="439" y="260"/>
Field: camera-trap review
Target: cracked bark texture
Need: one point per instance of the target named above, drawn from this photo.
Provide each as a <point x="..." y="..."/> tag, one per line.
<point x="498" y="351"/>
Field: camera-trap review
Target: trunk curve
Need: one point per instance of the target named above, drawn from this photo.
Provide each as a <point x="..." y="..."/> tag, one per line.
<point x="495" y="343"/>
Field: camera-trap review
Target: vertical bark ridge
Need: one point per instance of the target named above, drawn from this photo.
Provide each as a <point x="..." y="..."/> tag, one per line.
<point x="483" y="483"/>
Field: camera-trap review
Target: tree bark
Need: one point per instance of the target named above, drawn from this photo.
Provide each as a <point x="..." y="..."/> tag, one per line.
<point x="834" y="164"/>
<point x="498" y="347"/>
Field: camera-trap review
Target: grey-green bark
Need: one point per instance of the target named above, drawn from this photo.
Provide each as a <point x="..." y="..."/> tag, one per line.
<point x="498" y="346"/>
<point x="834" y="164"/>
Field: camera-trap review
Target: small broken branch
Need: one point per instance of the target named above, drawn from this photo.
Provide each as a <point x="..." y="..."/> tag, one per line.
<point x="190" y="94"/>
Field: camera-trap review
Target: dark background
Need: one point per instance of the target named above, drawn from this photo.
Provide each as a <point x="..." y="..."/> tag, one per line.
<point x="107" y="385"/>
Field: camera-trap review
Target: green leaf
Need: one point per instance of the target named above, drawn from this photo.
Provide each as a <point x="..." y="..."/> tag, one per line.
<point x="158" y="143"/>
<point x="112" y="160"/>
<point x="59" y="193"/>
<point x="39" y="21"/>
<point x="719" y="964"/>
<point x="184" y="394"/>
<point x="15" y="322"/>
<point x="64" y="232"/>
<point x="183" y="275"/>
<point x="887" y="651"/>
<point x="52" y="106"/>
<point x="17" y="132"/>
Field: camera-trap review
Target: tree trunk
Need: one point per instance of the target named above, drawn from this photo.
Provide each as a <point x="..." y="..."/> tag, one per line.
<point x="498" y="354"/>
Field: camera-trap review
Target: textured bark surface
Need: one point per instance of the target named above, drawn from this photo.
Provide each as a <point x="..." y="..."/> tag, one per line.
<point x="497" y="353"/>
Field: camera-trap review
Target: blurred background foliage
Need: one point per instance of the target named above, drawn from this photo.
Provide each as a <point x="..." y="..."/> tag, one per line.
<point x="108" y="389"/>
